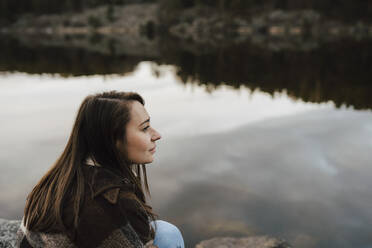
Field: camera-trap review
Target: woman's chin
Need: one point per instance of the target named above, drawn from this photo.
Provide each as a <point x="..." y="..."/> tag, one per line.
<point x="149" y="160"/>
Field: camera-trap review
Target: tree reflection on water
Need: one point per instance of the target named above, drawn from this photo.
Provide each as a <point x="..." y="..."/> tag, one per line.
<point x="338" y="71"/>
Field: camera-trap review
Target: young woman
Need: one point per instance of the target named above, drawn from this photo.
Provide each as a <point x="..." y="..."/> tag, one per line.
<point x="94" y="194"/>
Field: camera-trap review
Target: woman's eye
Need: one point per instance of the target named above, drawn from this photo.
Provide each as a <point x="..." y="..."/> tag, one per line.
<point x="146" y="128"/>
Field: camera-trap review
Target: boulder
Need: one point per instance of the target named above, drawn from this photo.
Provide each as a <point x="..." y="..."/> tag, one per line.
<point x="8" y="231"/>
<point x="246" y="242"/>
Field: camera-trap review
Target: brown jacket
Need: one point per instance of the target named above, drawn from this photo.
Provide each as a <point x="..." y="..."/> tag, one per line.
<point x="108" y="217"/>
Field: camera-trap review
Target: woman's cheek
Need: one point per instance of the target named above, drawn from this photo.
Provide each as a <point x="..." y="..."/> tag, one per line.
<point x="142" y="141"/>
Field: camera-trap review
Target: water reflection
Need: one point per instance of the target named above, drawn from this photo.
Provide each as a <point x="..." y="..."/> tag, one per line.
<point x="231" y="161"/>
<point x="338" y="71"/>
<point x="304" y="177"/>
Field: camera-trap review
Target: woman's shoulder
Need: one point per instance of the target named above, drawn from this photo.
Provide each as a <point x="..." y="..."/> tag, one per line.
<point x="108" y="193"/>
<point x="102" y="220"/>
<point x="99" y="206"/>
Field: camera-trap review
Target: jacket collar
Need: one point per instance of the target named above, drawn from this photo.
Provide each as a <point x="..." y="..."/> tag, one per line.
<point x="103" y="179"/>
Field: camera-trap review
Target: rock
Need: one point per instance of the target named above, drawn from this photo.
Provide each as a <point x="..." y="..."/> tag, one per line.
<point x="311" y="16"/>
<point x="295" y="30"/>
<point x="8" y="230"/>
<point x="277" y="30"/>
<point x="277" y="15"/>
<point x="247" y="242"/>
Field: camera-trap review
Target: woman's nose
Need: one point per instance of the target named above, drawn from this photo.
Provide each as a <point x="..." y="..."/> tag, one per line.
<point x="156" y="135"/>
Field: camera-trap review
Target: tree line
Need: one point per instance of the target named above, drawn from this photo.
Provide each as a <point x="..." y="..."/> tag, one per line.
<point x="345" y="10"/>
<point x="10" y="10"/>
<point x="341" y="9"/>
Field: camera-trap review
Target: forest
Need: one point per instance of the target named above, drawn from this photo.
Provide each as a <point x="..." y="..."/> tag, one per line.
<point x="344" y="10"/>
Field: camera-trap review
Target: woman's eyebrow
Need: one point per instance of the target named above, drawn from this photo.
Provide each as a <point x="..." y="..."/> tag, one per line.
<point x="148" y="120"/>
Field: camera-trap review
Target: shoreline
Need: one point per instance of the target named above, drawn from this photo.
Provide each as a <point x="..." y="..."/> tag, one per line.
<point x="276" y="29"/>
<point x="8" y="229"/>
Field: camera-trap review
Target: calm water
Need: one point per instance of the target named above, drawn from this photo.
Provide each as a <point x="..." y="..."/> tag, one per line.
<point x="231" y="162"/>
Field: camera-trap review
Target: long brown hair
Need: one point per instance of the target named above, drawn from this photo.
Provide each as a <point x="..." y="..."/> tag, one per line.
<point x="100" y="123"/>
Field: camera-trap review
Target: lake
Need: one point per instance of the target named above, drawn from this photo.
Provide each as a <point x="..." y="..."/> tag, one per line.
<point x="244" y="149"/>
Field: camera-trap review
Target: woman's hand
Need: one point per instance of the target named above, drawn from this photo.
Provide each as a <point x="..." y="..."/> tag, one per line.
<point x="150" y="244"/>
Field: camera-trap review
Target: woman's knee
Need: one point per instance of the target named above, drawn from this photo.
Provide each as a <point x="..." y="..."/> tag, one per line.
<point x="167" y="235"/>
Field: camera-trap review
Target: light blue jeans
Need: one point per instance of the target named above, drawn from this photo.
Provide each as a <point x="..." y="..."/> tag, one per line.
<point x="167" y="235"/>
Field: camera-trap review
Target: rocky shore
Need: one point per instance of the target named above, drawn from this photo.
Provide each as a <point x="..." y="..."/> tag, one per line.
<point x="273" y="29"/>
<point x="8" y="229"/>
<point x="247" y="242"/>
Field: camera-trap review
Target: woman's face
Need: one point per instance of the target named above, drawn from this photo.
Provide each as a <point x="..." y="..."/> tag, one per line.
<point x="141" y="137"/>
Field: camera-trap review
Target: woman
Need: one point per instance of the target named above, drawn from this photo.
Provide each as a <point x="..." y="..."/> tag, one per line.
<point x="93" y="196"/>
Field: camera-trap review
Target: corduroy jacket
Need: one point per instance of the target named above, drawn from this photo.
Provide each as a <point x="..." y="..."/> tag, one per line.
<point x="108" y="218"/>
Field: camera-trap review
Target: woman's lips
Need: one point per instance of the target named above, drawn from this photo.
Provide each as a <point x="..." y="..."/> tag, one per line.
<point x="153" y="149"/>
